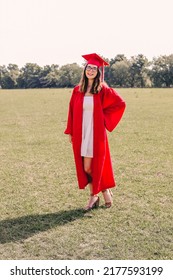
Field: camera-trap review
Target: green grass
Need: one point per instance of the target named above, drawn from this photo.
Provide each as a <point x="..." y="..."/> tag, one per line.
<point x="41" y="213"/>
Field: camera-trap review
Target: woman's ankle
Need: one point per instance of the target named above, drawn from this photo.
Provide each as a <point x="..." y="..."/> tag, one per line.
<point x="107" y="195"/>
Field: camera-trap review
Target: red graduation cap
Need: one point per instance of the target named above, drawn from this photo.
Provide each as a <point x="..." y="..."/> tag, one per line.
<point x="97" y="60"/>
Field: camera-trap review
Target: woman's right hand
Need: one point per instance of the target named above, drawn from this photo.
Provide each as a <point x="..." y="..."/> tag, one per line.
<point x="70" y="138"/>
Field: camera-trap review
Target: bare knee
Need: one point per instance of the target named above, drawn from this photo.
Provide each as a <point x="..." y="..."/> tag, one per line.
<point x="87" y="165"/>
<point x="87" y="169"/>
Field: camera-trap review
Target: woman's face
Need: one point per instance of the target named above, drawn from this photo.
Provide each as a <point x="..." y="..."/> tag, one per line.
<point x="91" y="71"/>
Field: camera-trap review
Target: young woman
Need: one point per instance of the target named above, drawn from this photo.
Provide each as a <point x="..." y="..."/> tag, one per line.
<point x="93" y="108"/>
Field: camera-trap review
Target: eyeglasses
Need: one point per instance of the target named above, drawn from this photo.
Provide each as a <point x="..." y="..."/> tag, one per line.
<point x="89" y="68"/>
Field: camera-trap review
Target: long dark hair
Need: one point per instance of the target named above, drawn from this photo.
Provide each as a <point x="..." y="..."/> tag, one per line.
<point x="96" y="86"/>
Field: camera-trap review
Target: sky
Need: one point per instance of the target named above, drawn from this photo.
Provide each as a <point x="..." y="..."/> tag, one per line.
<point x="60" y="31"/>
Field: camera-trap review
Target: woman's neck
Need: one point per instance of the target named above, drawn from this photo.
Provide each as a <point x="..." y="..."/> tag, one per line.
<point x="90" y="83"/>
<point x="89" y="86"/>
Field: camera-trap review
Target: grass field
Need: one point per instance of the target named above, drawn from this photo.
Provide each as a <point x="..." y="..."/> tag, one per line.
<point x="41" y="213"/>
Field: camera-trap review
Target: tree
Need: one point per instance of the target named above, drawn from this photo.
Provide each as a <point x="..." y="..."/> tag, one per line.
<point x="9" y="76"/>
<point x="139" y="71"/>
<point x="117" y="74"/>
<point x="49" y="76"/>
<point x="117" y="58"/>
<point x="120" y="74"/>
<point x="162" y="71"/>
<point x="3" y="72"/>
<point x="30" y="76"/>
<point x="69" y="75"/>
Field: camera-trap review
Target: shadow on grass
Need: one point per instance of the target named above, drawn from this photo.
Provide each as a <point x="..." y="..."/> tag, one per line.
<point x="23" y="227"/>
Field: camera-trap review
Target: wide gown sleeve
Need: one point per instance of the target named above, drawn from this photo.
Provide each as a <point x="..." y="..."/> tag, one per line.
<point x="113" y="108"/>
<point x="69" y="128"/>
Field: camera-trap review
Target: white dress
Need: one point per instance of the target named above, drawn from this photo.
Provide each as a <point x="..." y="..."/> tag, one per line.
<point x="87" y="127"/>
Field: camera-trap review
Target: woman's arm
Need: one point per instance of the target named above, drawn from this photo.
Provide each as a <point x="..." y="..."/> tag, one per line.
<point x="113" y="108"/>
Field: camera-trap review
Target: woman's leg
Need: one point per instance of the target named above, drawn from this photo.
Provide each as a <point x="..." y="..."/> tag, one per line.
<point x="88" y="169"/>
<point x="88" y="165"/>
<point x="107" y="195"/>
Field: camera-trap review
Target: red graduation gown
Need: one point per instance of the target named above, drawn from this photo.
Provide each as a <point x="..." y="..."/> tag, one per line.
<point x="108" y="110"/>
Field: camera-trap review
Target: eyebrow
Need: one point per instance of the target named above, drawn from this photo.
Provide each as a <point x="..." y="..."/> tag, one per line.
<point x="95" y="67"/>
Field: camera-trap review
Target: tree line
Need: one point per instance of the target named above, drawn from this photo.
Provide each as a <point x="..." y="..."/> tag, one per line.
<point x="137" y="71"/>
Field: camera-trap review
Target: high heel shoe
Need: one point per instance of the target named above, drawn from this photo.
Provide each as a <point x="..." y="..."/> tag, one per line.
<point x="108" y="204"/>
<point x="95" y="204"/>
